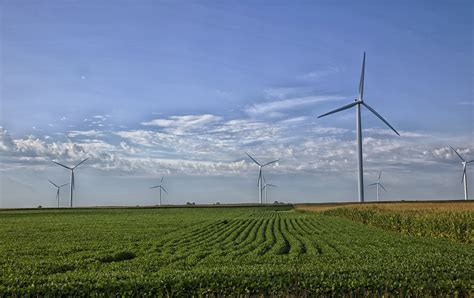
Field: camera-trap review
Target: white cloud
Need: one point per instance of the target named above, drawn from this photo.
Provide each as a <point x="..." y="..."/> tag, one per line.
<point x="389" y="132"/>
<point x="210" y="145"/>
<point x="446" y="153"/>
<point x="287" y="104"/>
<point x="86" y="133"/>
<point x="329" y="130"/>
<point x="6" y="142"/>
<point x="180" y="124"/>
<point x="293" y="120"/>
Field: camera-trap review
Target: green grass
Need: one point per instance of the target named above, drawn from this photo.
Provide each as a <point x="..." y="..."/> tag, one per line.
<point x="251" y="250"/>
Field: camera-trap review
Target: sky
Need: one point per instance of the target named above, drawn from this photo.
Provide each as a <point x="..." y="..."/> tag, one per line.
<point x="183" y="89"/>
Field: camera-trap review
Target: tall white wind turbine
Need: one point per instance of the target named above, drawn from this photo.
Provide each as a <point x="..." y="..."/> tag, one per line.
<point x="378" y="184"/>
<point x="464" y="172"/>
<point x="161" y="187"/>
<point x="259" y="181"/>
<point x="58" y="187"/>
<point x="357" y="103"/>
<point x="72" y="175"/>
<point x="265" y="188"/>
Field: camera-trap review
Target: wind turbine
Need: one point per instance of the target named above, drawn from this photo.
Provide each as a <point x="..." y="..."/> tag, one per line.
<point x="58" y="187"/>
<point x="464" y="172"/>
<point x="259" y="181"/>
<point x="160" y="187"/>
<point x="378" y="184"/>
<point x="265" y="187"/>
<point x="72" y="175"/>
<point x="357" y="103"/>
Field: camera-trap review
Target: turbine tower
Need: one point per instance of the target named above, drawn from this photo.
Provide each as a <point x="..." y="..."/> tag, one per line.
<point x="378" y="184"/>
<point x="464" y="172"/>
<point x="72" y="175"/>
<point x="259" y="181"/>
<point x="265" y="188"/>
<point x="58" y="187"/>
<point x="160" y="187"/>
<point x="357" y="103"/>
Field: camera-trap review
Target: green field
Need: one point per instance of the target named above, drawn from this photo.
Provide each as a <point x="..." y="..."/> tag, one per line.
<point x="246" y="250"/>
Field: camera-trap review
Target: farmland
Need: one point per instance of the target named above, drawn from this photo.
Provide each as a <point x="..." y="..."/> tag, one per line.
<point x="452" y="220"/>
<point x="239" y="250"/>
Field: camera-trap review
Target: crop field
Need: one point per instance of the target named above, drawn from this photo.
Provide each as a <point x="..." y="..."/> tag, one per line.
<point x="221" y="251"/>
<point x="453" y="220"/>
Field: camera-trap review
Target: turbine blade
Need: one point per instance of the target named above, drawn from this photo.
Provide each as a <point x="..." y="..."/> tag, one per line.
<point x="162" y="179"/>
<point x="361" y="84"/>
<point x="382" y="187"/>
<point x="163" y="189"/>
<point x="155" y="186"/>
<point x="272" y="185"/>
<point x="380" y="117"/>
<point x="72" y="180"/>
<point x="80" y="163"/>
<point x="62" y="165"/>
<point x="380" y="174"/>
<point x="268" y="163"/>
<point x="52" y="183"/>
<point x="372" y="184"/>
<point x="459" y="155"/>
<point x="253" y="159"/>
<point x="470" y="161"/>
<point x="64" y="184"/>
<point x="340" y="109"/>
<point x="259" y="175"/>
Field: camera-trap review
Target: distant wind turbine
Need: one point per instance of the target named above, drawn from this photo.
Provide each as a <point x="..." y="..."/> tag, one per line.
<point x="378" y="184"/>
<point x="160" y="187"/>
<point x="259" y="181"/>
<point x="357" y="103"/>
<point x="72" y="175"/>
<point x="265" y="188"/>
<point x="464" y="172"/>
<point x="58" y="187"/>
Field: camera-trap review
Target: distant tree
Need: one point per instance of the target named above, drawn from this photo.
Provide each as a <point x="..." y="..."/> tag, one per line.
<point x="218" y="203"/>
<point x="40" y="206"/>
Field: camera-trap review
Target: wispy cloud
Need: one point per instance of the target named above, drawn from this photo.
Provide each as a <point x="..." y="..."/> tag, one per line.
<point x="212" y="145"/>
<point x="389" y="132"/>
<point x="320" y="73"/>
<point x="288" y="104"/>
<point x="85" y="133"/>
<point x="180" y="124"/>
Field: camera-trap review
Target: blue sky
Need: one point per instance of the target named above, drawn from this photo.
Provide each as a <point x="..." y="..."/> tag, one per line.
<point x="184" y="88"/>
